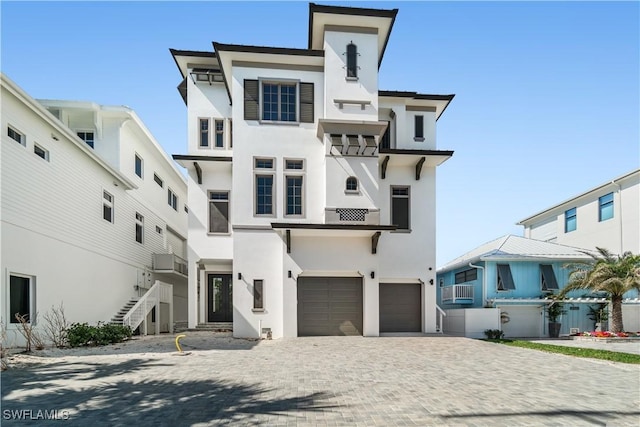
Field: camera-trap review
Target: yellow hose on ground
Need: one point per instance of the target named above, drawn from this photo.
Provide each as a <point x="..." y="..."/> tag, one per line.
<point x="177" y="342"/>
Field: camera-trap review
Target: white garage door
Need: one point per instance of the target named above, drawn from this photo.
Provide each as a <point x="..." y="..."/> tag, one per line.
<point x="524" y="321"/>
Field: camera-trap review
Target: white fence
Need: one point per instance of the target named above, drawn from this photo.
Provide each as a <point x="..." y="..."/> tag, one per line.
<point x="471" y="322"/>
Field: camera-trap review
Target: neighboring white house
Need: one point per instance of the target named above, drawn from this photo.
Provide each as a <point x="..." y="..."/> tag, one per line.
<point x="93" y="211"/>
<point x="311" y="192"/>
<point x="606" y="216"/>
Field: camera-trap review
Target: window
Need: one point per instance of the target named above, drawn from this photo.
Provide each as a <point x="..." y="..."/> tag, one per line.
<point x="138" y="165"/>
<point x="505" y="280"/>
<point x="264" y="186"/>
<point x="547" y="278"/>
<point x="20" y="297"/>
<point x="186" y="209"/>
<point x="419" y="128"/>
<point x="139" y="228"/>
<point x="280" y="101"/>
<point x="158" y="229"/>
<point x="352" y="184"/>
<point x="352" y="61"/>
<point x="41" y="152"/>
<point x="218" y="211"/>
<point x="219" y="133"/>
<point x="386" y="138"/>
<point x="204" y="133"/>
<point x="230" y="133"/>
<point x="294" y="164"/>
<point x="107" y="206"/>
<point x="87" y="137"/>
<point x="16" y="136"/>
<point x="400" y="207"/>
<point x="466" y="276"/>
<point x="172" y="199"/>
<point x="294" y="195"/>
<point x="570" y="220"/>
<point x="294" y="182"/>
<point x="258" y="295"/>
<point x="158" y="180"/>
<point x="605" y="204"/>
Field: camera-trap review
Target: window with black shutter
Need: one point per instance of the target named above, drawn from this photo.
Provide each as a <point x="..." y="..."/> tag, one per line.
<point x="548" y="278"/>
<point x="419" y="128"/>
<point x="400" y="205"/>
<point x="352" y="61"/>
<point x="505" y="280"/>
<point x="218" y="212"/>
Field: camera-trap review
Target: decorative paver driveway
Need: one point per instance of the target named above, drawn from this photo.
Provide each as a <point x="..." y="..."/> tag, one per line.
<point x="327" y="381"/>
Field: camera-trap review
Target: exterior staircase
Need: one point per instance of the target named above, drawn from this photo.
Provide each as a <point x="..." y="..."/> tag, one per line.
<point x="119" y="317"/>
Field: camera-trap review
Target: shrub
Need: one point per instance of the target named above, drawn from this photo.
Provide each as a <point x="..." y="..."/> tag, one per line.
<point x="56" y="325"/>
<point x="81" y="334"/>
<point x="26" y="329"/>
<point x="493" y="334"/>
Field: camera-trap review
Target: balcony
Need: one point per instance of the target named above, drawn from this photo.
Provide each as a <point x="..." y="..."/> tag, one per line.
<point x="169" y="263"/>
<point x="457" y="294"/>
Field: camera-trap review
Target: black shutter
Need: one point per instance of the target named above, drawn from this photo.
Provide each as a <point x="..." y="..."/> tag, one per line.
<point x="306" y="102"/>
<point x="251" y="100"/>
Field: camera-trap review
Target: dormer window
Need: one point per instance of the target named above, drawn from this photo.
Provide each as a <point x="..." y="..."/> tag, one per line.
<point x="352" y="61"/>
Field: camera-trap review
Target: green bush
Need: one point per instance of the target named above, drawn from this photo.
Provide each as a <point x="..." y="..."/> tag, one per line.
<point x="81" y="334"/>
<point x="493" y="334"/>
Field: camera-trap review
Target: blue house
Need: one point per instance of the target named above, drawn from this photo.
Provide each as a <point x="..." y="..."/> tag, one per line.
<point x="518" y="275"/>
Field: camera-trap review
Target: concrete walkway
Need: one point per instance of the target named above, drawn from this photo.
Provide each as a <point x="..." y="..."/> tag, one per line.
<point x="326" y="381"/>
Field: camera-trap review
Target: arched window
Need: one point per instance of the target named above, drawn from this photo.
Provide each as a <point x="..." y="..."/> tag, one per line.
<point x="352" y="184"/>
<point x="352" y="60"/>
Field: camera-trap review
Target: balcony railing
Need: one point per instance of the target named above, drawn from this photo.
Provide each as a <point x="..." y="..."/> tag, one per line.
<point x="169" y="263"/>
<point x="352" y="216"/>
<point x="458" y="294"/>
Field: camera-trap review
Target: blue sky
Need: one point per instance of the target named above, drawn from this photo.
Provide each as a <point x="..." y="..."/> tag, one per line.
<point x="547" y="93"/>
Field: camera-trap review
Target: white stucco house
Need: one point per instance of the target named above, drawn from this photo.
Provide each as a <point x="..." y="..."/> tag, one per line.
<point x="311" y="190"/>
<point x="92" y="212"/>
<point x="607" y="216"/>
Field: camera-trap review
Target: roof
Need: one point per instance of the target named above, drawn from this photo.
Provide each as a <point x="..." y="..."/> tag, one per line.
<point x="180" y="56"/>
<point x="586" y="193"/>
<point x="227" y="53"/>
<point x="516" y="248"/>
<point x="381" y="19"/>
<point x="441" y="102"/>
<point x="43" y="113"/>
<point x="122" y="111"/>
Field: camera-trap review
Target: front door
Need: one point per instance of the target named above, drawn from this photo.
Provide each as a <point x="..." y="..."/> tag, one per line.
<point x="219" y="300"/>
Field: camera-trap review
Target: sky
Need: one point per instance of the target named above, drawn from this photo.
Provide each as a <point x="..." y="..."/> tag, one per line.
<point x="547" y="98"/>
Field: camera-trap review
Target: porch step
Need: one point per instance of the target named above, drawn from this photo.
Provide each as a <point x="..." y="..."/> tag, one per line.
<point x="214" y="327"/>
<point x="119" y="316"/>
<point x="180" y="326"/>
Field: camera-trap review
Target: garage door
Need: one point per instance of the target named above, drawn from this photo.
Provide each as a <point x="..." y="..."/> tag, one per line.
<point x="524" y="321"/>
<point x="400" y="307"/>
<point x="329" y="306"/>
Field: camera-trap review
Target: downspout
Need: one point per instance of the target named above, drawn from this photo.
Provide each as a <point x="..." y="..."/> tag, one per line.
<point x="484" y="282"/>
<point x="620" y="205"/>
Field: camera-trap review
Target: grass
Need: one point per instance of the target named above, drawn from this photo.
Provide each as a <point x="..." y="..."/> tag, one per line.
<point x="613" y="356"/>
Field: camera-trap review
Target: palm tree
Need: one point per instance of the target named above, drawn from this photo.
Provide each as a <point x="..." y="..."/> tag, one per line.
<point x="612" y="274"/>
